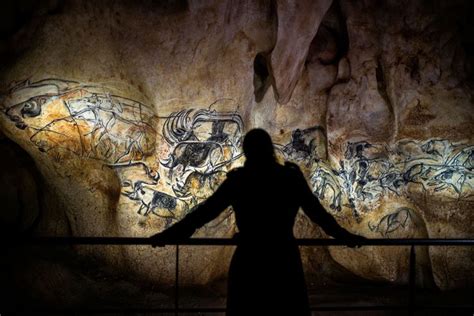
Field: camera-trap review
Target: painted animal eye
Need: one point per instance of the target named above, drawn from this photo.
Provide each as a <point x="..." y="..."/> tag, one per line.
<point x="447" y="175"/>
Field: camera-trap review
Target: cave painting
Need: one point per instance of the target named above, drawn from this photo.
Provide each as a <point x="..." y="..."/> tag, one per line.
<point x="401" y="218"/>
<point x="303" y="146"/>
<point x="370" y="171"/>
<point x="166" y="162"/>
<point x="202" y="142"/>
<point x="82" y="120"/>
<point x="67" y="119"/>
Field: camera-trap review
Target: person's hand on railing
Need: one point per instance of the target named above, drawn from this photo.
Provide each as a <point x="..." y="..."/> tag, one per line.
<point x="158" y="240"/>
<point x="168" y="236"/>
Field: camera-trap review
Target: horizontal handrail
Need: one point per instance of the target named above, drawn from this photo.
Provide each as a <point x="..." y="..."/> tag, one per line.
<point x="411" y="307"/>
<point x="222" y="309"/>
<point x="50" y="240"/>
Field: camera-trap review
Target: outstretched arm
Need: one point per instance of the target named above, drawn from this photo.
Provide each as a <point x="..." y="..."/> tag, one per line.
<point x="315" y="211"/>
<point x="200" y="215"/>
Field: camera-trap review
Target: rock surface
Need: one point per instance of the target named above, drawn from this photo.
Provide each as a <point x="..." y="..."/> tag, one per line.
<point x="133" y="113"/>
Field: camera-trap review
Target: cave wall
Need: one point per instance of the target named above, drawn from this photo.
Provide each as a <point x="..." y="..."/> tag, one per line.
<point x="134" y="112"/>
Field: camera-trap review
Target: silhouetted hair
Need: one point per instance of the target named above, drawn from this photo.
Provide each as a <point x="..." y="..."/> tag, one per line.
<point x="258" y="147"/>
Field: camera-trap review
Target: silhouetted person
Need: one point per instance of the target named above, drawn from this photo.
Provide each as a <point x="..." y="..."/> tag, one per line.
<point x="266" y="273"/>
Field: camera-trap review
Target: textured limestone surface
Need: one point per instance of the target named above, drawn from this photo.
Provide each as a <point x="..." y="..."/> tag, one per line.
<point x="133" y="112"/>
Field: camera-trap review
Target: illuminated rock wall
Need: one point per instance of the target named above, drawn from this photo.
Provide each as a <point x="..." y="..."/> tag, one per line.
<point x="134" y="113"/>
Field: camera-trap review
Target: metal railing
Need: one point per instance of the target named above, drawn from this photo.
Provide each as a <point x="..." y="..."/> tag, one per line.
<point x="411" y="307"/>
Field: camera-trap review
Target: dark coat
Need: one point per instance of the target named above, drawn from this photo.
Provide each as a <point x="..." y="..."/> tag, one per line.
<point x="266" y="273"/>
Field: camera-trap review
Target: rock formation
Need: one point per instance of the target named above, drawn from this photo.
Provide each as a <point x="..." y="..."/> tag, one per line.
<point x="133" y="113"/>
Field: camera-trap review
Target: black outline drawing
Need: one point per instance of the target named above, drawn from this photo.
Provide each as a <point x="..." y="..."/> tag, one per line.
<point x="370" y="171"/>
<point x="204" y="143"/>
<point x="302" y="146"/>
<point x="392" y="222"/>
<point x="98" y="117"/>
<point x="151" y="200"/>
<point x="196" y="154"/>
<point x="121" y="133"/>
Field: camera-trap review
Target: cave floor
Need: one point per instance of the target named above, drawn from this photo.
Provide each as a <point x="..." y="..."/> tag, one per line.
<point x="37" y="282"/>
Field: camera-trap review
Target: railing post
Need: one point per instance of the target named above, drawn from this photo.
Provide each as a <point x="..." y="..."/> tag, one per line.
<point x="411" y="302"/>
<point x="176" y="282"/>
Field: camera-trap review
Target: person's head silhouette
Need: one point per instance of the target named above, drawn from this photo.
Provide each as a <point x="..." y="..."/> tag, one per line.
<point x="258" y="148"/>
